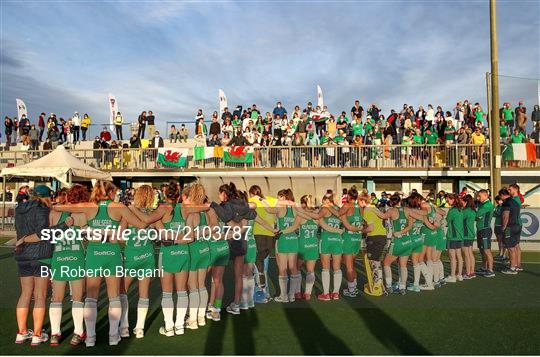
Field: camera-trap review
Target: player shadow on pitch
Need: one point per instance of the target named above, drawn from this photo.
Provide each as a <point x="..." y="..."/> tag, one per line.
<point x="243" y="325"/>
<point x="383" y="327"/>
<point x="312" y="334"/>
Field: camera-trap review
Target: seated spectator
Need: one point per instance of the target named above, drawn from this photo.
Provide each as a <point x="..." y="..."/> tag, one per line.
<point x="183" y="133"/>
<point x="174" y="135"/>
<point x="105" y="135"/>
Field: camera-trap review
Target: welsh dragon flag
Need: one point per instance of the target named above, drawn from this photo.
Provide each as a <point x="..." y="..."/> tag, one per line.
<point x="238" y="154"/>
<point x="172" y="157"/>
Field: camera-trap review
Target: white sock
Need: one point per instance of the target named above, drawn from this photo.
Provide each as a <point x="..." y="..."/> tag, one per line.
<point x="245" y="290"/>
<point x="429" y="271"/>
<point x="338" y="277"/>
<point x="167" y="306"/>
<point x="182" y="304"/>
<point x="416" y="271"/>
<point x="142" y="311"/>
<point x="387" y="276"/>
<point x="77" y="313"/>
<point x="283" y="286"/>
<point x="296" y="281"/>
<point x="124" y="322"/>
<point x="351" y="286"/>
<point x="193" y="304"/>
<point x="441" y="269"/>
<point x="115" y="313"/>
<point x="435" y="267"/>
<point x="203" y="301"/>
<point x="55" y="316"/>
<point x="251" y="288"/>
<point x="90" y="315"/>
<point x="325" y="276"/>
<point x="310" y="280"/>
<point x="403" y="273"/>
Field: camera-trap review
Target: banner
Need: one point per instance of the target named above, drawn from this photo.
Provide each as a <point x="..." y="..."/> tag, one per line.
<point x="320" y="99"/>
<point x="222" y="101"/>
<point x="203" y="152"/>
<point x="238" y="154"/>
<point x="21" y="108"/>
<point x="172" y="157"/>
<point x="113" y="109"/>
<point x="520" y="152"/>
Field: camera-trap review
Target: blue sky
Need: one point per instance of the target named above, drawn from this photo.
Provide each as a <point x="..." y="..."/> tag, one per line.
<point x="172" y="57"/>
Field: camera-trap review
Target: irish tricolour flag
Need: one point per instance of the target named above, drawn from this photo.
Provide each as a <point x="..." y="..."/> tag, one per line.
<point x="172" y="157"/>
<point x="238" y="154"/>
<point x="520" y="152"/>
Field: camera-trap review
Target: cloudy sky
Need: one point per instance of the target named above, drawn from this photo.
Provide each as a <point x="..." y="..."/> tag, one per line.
<point x="172" y="57"/>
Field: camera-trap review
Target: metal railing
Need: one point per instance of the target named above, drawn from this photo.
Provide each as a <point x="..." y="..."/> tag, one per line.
<point x="470" y="157"/>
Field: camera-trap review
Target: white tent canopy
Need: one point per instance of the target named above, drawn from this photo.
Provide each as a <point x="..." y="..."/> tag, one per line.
<point x="59" y="164"/>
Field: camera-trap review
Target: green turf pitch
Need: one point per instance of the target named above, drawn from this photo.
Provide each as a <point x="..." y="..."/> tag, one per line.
<point x="480" y="316"/>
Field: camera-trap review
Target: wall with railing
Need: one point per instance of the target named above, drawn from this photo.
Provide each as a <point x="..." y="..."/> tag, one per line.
<point x="470" y="157"/>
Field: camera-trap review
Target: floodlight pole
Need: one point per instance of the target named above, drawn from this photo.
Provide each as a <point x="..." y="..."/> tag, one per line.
<point x="495" y="134"/>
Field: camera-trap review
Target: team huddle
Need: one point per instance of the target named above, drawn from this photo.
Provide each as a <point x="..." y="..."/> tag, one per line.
<point x="243" y="229"/>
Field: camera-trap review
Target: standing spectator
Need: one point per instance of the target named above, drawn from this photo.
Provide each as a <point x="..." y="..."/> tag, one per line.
<point x="85" y="124"/>
<point x="357" y="110"/>
<point x="54" y="135"/>
<point x="62" y="130"/>
<point x="34" y="138"/>
<point x="150" y="121"/>
<point x="521" y="117"/>
<point x="237" y="112"/>
<point x="478" y="139"/>
<point x="9" y="195"/>
<point x="96" y="145"/>
<point x="141" y="120"/>
<point x="215" y="127"/>
<point x="156" y="141"/>
<point x="459" y="115"/>
<point x="430" y="115"/>
<point x="535" y="116"/>
<point x="183" y="134"/>
<point x="392" y="118"/>
<point x="118" y="122"/>
<point x="41" y="126"/>
<point x="226" y="115"/>
<point x="279" y="110"/>
<point x="75" y="127"/>
<point x="8" y="123"/>
<point x="200" y="127"/>
<point x="507" y="114"/>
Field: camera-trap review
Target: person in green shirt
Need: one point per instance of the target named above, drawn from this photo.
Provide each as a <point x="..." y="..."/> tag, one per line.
<point x="450" y="133"/>
<point x="418" y="138"/>
<point x="517" y="137"/>
<point x="507" y="114"/>
<point x="484" y="213"/>
<point x="478" y="113"/>
<point x="454" y="236"/>
<point x="497" y="215"/>
<point x="357" y="127"/>
<point x="504" y="131"/>
<point x="469" y="235"/>
<point x="430" y="137"/>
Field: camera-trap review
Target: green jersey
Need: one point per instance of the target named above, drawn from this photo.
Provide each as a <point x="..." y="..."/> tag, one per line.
<point x="177" y="222"/>
<point x="418" y="139"/>
<point x="484" y="215"/>
<point x="517" y="199"/>
<point x="508" y="114"/>
<point x="65" y="244"/>
<point x="478" y="116"/>
<point x="401" y="222"/>
<point x="102" y="219"/>
<point x="504" y="131"/>
<point x="309" y="229"/>
<point x="431" y="138"/>
<point x="357" y="128"/>
<point x="287" y="243"/>
<point x="454" y="220"/>
<point x="517" y="139"/>
<point x="469" y="217"/>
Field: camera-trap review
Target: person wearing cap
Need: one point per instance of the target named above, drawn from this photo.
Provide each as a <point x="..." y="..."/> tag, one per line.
<point x="33" y="253"/>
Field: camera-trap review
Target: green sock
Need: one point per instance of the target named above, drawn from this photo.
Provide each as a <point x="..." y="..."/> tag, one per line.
<point x="217" y="303"/>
